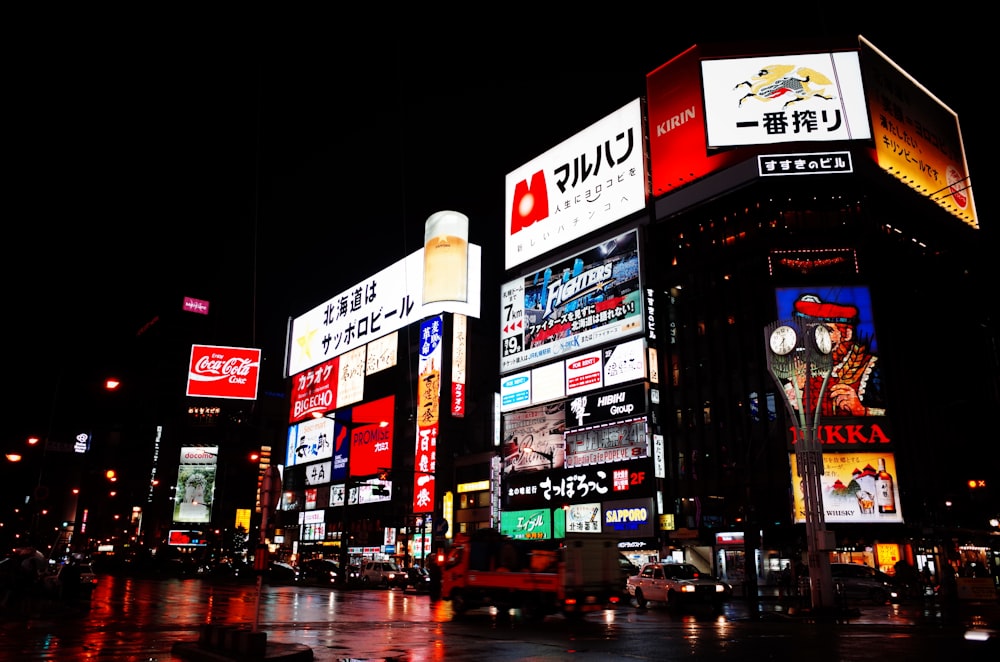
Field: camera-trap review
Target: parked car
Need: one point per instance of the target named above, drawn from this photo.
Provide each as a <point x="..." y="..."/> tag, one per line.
<point x="70" y="579"/>
<point x="382" y="574"/>
<point x="320" y="572"/>
<point x="279" y="572"/>
<point x="418" y="578"/>
<point x="854" y="581"/>
<point x="676" y="585"/>
<point x="231" y="570"/>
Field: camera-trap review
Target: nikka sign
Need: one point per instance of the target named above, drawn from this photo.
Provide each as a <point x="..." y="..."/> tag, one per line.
<point x="848" y="435"/>
<point x="223" y="372"/>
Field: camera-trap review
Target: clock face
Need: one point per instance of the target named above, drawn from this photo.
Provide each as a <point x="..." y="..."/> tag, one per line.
<point x="823" y="342"/>
<point x="783" y="340"/>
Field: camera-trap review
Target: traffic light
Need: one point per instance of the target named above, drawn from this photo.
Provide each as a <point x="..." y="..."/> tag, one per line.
<point x="111" y="475"/>
<point x="976" y="484"/>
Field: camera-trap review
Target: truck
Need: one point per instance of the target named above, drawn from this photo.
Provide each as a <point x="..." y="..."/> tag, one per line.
<point x="572" y="576"/>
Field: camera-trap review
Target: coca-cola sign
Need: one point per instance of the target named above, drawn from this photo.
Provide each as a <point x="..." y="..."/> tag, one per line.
<point x="223" y="372"/>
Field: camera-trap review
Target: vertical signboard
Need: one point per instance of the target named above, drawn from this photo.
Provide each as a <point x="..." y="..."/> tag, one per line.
<point x="428" y="419"/>
<point x="195" y="484"/>
<point x="459" y="337"/>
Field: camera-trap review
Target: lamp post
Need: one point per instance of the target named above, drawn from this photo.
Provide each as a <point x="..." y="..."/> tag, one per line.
<point x="798" y="358"/>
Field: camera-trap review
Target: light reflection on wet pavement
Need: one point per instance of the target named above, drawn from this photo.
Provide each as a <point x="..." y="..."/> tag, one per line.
<point x="141" y="620"/>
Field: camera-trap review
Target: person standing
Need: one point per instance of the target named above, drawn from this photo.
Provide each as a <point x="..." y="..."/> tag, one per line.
<point x="435" y="572"/>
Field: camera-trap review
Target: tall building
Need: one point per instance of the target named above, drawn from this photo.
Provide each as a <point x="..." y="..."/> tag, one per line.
<point x="813" y="182"/>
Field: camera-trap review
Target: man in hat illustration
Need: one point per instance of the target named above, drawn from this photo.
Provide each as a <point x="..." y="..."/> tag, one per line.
<point x="855" y="386"/>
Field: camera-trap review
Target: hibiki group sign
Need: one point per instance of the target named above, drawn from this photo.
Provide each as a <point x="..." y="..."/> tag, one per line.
<point x="223" y="372"/>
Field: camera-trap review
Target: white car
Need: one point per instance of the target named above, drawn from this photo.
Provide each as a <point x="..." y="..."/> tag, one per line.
<point x="382" y="574"/>
<point x="675" y="585"/>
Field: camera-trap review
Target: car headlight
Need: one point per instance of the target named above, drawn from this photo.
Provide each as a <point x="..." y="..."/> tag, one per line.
<point x="719" y="588"/>
<point x="687" y="588"/>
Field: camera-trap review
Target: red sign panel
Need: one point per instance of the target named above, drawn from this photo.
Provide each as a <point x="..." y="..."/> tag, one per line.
<point x="678" y="153"/>
<point x="314" y="391"/>
<point x="223" y="372"/>
<point x="371" y="436"/>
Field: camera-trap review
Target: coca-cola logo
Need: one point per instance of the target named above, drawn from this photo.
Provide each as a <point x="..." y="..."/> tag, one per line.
<point x="216" y="364"/>
<point x="225" y="372"/>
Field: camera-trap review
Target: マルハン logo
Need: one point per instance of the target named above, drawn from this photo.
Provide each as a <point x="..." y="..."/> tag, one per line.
<point x="531" y="203"/>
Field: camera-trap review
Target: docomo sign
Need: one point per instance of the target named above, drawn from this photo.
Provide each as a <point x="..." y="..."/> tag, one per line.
<point x="223" y="372"/>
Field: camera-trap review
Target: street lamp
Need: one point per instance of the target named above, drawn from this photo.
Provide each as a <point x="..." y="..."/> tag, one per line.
<point x="798" y="357"/>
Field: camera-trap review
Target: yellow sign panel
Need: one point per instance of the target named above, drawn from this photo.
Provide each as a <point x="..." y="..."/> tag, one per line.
<point x="243" y="518"/>
<point x="917" y="138"/>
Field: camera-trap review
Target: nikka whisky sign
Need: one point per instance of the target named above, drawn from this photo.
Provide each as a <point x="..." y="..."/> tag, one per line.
<point x="845" y="435"/>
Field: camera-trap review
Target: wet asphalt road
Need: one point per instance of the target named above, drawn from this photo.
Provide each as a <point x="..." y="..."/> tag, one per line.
<point x="131" y="619"/>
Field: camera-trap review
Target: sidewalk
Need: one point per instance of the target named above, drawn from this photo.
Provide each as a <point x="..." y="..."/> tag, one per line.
<point x="930" y="611"/>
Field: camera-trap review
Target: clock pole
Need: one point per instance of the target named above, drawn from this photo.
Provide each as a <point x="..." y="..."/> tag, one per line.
<point x="798" y="352"/>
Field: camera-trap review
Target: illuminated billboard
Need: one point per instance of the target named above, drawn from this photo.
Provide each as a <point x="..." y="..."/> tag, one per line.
<point x="314" y="391"/>
<point x="381" y="304"/>
<point x="533" y="438"/>
<point x="371" y="431"/>
<point x="533" y="489"/>
<point x="858" y="488"/>
<point x="572" y="377"/>
<point x="309" y="441"/>
<point x="535" y="524"/>
<point x="195" y="484"/>
<point x="186" y="538"/>
<point x="223" y="372"/>
<point x="572" y="305"/>
<point x="855" y="387"/>
<point x="774" y="99"/>
<point x="428" y="414"/>
<point x="917" y="137"/>
<point x="584" y="183"/>
<point x="678" y="154"/>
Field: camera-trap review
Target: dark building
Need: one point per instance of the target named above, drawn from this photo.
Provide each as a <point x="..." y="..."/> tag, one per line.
<point x="873" y="232"/>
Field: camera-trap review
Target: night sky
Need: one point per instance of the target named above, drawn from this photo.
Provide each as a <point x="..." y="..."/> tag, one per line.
<point x="266" y="163"/>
